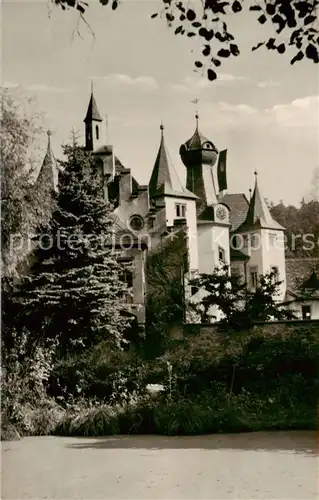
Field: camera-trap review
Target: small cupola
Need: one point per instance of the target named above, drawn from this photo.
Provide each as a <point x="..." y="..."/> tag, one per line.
<point x="198" y="150"/>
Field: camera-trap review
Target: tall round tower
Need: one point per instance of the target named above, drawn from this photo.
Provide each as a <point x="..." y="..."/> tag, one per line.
<point x="199" y="156"/>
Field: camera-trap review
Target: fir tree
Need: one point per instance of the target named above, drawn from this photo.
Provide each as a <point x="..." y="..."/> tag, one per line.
<point x="75" y="293"/>
<point x="240" y="307"/>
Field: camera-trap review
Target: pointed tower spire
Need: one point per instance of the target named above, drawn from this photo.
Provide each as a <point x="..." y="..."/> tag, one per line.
<point x="92" y="121"/>
<point x="164" y="179"/>
<point x="92" y="111"/>
<point x="48" y="175"/>
<point x="258" y="214"/>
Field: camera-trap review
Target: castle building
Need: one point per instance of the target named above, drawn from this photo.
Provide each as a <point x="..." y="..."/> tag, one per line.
<point x="219" y="228"/>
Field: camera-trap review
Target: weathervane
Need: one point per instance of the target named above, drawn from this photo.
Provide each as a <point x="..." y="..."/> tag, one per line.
<point x="196" y="101"/>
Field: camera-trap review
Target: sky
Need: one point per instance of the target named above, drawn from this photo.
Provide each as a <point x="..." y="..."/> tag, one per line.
<point x="262" y="110"/>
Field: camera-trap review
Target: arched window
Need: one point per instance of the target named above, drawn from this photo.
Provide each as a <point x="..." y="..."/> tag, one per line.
<point x="97" y="132"/>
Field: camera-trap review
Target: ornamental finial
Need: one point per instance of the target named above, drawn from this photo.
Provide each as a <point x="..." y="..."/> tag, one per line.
<point x="49" y="138"/>
<point x="197" y="118"/>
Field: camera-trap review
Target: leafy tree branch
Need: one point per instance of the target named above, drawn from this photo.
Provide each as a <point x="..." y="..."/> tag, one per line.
<point x="295" y="24"/>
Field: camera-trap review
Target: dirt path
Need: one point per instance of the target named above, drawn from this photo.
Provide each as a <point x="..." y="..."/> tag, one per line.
<point x="279" y="465"/>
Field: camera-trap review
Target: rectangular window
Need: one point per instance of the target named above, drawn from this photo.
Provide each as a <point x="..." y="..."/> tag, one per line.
<point x="306" y="312"/>
<point x="272" y="239"/>
<point x="253" y="277"/>
<point x="151" y="222"/>
<point x="180" y="210"/>
<point x="255" y="241"/>
<point x="126" y="276"/>
<point x="275" y="271"/>
<point x="221" y="254"/>
<point x="193" y="276"/>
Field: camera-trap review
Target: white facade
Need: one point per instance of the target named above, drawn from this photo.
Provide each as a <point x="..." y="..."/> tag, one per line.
<point x="183" y="208"/>
<point x="265" y="249"/>
<point x="213" y="246"/>
<point x="165" y="205"/>
<point x="305" y="309"/>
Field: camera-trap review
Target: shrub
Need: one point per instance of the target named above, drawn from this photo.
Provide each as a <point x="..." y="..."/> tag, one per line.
<point x="207" y="413"/>
<point x="110" y="376"/>
<point x="26" y="408"/>
<point x="254" y="362"/>
<point x="96" y="420"/>
<point x="137" y="418"/>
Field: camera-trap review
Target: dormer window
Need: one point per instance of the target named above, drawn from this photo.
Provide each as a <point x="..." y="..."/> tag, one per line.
<point x="97" y="132"/>
<point x="180" y="209"/>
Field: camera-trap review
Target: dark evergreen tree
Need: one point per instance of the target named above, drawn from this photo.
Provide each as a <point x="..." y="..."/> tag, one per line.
<point x="239" y="306"/>
<point x="75" y="292"/>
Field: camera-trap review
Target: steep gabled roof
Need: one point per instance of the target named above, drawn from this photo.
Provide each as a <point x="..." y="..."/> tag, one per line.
<point x="49" y="172"/>
<point x="92" y="113"/>
<point x="238" y="206"/>
<point x="164" y="179"/>
<point x="302" y="276"/>
<point x="258" y="214"/>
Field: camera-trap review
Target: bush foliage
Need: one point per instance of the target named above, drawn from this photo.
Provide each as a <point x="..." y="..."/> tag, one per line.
<point x="210" y="384"/>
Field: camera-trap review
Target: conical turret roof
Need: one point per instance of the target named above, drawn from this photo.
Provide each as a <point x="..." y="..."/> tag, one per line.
<point x="258" y="214"/>
<point x="49" y="172"/>
<point x="92" y="113"/>
<point x="164" y="179"/>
